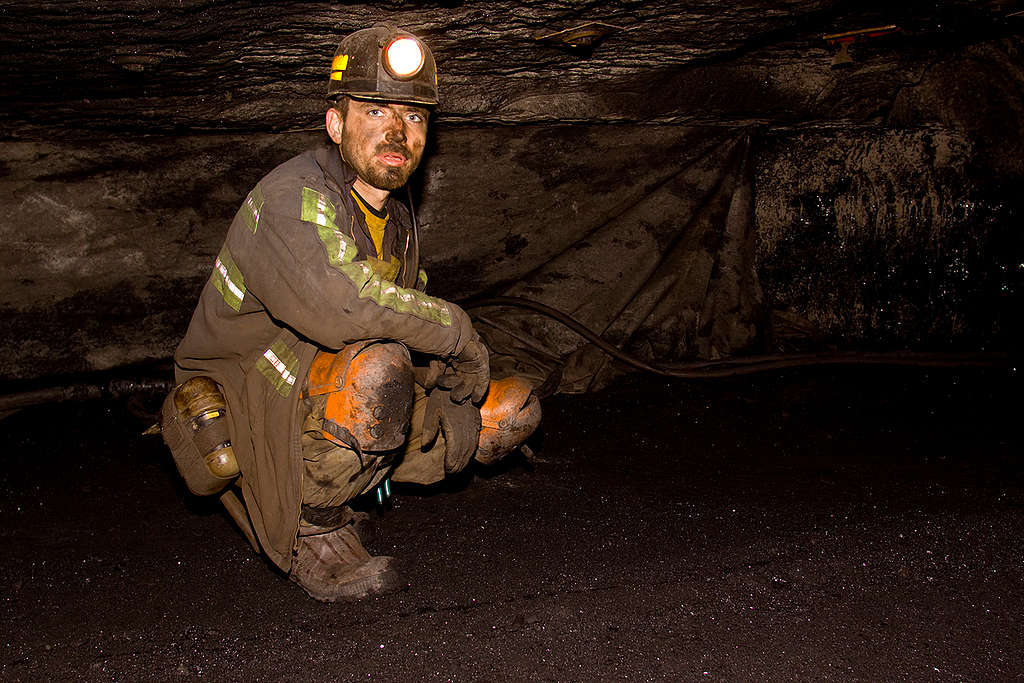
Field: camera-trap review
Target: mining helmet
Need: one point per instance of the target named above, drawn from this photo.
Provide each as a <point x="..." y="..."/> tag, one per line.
<point x="385" y="64"/>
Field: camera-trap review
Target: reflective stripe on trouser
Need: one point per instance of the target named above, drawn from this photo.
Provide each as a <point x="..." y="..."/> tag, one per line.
<point x="334" y="475"/>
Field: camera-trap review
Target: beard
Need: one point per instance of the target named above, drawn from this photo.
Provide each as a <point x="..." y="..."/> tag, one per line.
<point x="374" y="174"/>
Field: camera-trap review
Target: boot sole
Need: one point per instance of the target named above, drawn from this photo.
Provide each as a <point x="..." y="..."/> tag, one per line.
<point x="389" y="581"/>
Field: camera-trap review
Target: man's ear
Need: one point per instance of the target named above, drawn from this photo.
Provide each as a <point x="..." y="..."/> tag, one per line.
<point x="335" y="124"/>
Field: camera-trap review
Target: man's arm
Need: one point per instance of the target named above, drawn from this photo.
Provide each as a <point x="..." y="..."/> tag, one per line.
<point x="302" y="266"/>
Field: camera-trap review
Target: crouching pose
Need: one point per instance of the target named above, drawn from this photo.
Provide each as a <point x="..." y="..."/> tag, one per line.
<point x="315" y="369"/>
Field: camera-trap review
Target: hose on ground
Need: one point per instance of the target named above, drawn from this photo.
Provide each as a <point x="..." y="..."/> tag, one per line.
<point x="81" y="391"/>
<point x="121" y="387"/>
<point x="748" y="364"/>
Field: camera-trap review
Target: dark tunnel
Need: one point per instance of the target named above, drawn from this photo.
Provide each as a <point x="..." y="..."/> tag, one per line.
<point x="759" y="263"/>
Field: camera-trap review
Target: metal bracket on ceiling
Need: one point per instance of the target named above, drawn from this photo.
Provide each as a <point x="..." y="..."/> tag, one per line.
<point x="842" y="56"/>
<point x="584" y="36"/>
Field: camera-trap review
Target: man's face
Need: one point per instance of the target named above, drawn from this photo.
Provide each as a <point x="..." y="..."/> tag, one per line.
<point x="383" y="142"/>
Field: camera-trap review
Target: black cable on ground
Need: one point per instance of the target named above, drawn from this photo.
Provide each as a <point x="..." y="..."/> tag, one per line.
<point x="81" y="391"/>
<point x="749" y="364"/>
<point x="120" y="386"/>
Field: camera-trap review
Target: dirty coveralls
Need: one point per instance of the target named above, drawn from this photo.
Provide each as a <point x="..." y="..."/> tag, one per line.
<point x="297" y="274"/>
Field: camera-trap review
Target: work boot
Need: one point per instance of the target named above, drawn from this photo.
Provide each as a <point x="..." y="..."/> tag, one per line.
<point x="335" y="567"/>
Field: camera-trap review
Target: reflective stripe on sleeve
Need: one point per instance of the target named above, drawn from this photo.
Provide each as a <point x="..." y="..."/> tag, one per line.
<point x="341" y="253"/>
<point x="399" y="299"/>
<point x="279" y="365"/>
<point x="228" y="280"/>
<point x="252" y="207"/>
<point x="318" y="209"/>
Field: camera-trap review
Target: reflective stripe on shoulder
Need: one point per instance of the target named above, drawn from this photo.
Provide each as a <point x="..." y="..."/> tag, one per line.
<point x="228" y="280"/>
<point x="399" y="299"/>
<point x="318" y="209"/>
<point x="252" y="207"/>
<point x="341" y="252"/>
<point x="279" y="365"/>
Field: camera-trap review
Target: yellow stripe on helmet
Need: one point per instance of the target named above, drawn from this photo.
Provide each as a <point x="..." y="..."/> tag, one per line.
<point x="338" y="67"/>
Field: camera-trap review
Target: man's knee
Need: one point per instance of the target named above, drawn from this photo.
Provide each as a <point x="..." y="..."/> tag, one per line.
<point x="508" y="417"/>
<point x="369" y="388"/>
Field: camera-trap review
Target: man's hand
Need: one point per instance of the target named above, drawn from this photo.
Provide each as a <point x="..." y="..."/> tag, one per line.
<point x="467" y="374"/>
<point x="460" y="424"/>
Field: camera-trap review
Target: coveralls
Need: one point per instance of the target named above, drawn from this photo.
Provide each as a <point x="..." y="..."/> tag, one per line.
<point x="297" y="274"/>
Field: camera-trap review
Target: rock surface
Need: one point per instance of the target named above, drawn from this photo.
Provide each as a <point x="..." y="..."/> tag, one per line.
<point x="886" y="207"/>
<point x="207" y="65"/>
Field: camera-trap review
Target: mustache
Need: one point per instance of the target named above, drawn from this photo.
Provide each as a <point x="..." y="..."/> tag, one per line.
<point x="393" y="148"/>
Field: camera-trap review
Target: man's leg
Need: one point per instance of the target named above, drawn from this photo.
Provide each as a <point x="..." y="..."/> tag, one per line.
<point x="420" y="465"/>
<point x="346" y="424"/>
<point x="509" y="415"/>
<point x="359" y="405"/>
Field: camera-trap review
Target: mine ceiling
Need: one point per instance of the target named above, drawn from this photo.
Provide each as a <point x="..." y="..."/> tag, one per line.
<point x="209" y="66"/>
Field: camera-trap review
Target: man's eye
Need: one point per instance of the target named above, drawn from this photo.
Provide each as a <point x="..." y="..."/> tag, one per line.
<point x="376" y="112"/>
<point x="414" y="118"/>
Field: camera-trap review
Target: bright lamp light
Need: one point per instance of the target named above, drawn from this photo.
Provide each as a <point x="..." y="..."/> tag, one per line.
<point x="403" y="57"/>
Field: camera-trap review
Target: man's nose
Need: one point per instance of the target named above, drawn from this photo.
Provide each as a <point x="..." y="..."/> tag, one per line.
<point x="394" y="130"/>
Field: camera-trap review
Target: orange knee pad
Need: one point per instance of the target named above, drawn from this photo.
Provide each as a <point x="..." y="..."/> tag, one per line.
<point x="508" y="417"/>
<point x="370" y="391"/>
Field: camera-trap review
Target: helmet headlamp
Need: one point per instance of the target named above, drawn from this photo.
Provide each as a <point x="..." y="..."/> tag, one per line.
<point x="403" y="57"/>
<point x="383" y="64"/>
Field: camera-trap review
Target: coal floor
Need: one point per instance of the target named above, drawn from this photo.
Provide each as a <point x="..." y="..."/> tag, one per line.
<point x="840" y="524"/>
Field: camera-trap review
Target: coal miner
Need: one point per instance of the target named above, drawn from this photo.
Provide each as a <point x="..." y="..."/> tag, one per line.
<point x="315" y="369"/>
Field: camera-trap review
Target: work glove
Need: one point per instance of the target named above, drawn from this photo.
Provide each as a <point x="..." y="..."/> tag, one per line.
<point x="467" y="374"/>
<point x="460" y="424"/>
